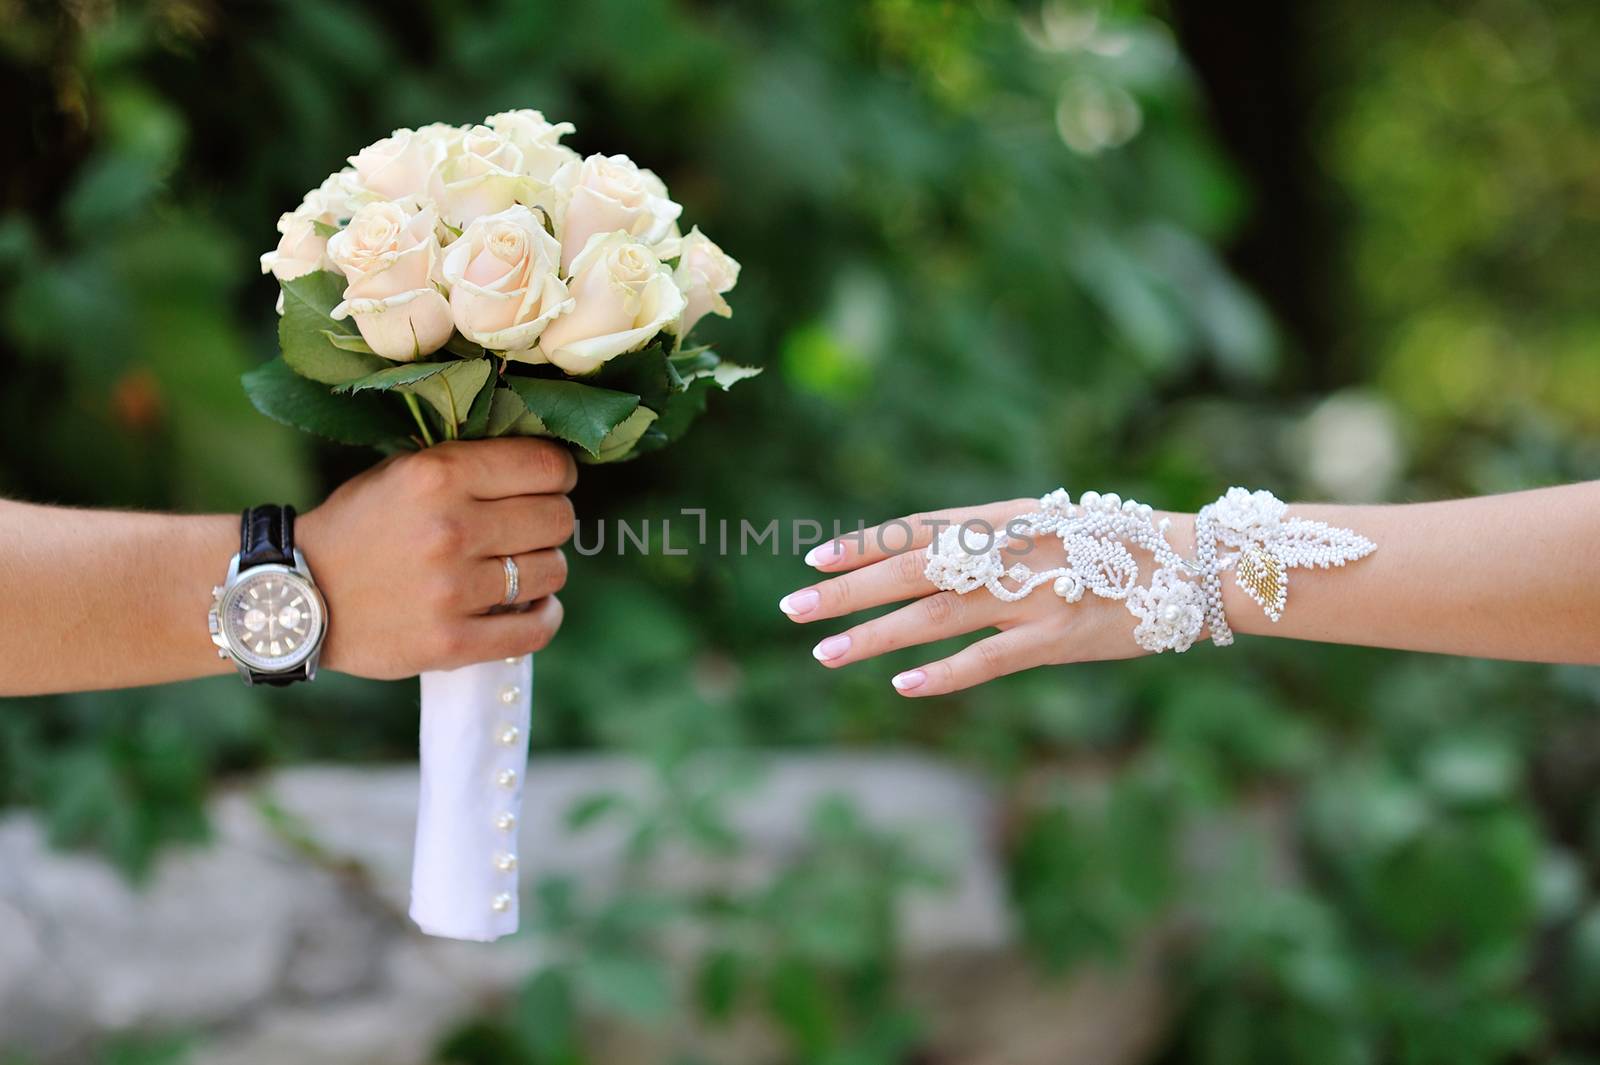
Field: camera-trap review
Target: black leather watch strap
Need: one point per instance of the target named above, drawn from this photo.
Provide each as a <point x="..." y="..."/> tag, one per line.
<point x="281" y="680"/>
<point x="266" y="534"/>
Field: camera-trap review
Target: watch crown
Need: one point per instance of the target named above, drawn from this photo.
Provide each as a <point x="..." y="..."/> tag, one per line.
<point x="221" y="653"/>
<point x="216" y="591"/>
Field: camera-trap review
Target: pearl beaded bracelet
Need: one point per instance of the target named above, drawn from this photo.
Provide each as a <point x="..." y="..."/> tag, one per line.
<point x="1259" y="543"/>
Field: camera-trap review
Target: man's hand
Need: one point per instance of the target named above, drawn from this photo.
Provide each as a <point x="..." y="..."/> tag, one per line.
<point x="409" y="554"/>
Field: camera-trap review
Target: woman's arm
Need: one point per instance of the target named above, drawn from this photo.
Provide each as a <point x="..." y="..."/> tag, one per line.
<point x="1513" y="576"/>
<point x="407" y="556"/>
<point x="1508" y="576"/>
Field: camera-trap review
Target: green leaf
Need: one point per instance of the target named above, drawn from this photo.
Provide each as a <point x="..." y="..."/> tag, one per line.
<point x="591" y="808"/>
<point x="632" y="985"/>
<point x="476" y="424"/>
<point x="545" y="1014"/>
<point x="284" y="396"/>
<point x="508" y="414"/>
<point x="691" y="361"/>
<point x="727" y="374"/>
<point x="461" y="347"/>
<point x="718" y="982"/>
<point x="800" y="1004"/>
<point x="680" y="413"/>
<point x="684" y="407"/>
<point x="453" y="390"/>
<point x="579" y="413"/>
<point x="647" y="373"/>
<point x="303" y="329"/>
<point x="348" y="342"/>
<point x="619" y="442"/>
<point x="169" y="1049"/>
<point x="635" y="915"/>
<point x="323" y="228"/>
<point x="394" y="376"/>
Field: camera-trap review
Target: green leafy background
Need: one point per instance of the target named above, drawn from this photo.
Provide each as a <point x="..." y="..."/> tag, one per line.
<point x="988" y="249"/>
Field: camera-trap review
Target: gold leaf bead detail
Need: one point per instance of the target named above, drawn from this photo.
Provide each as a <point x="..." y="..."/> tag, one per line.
<point x="1262" y="575"/>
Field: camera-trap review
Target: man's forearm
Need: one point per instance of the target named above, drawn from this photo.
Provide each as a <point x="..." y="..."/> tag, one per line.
<point x="1511" y="576"/>
<point x="97" y="599"/>
<point x="410" y="557"/>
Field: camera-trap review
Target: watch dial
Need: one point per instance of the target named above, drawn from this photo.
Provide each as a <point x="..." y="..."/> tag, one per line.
<point x="273" y="619"/>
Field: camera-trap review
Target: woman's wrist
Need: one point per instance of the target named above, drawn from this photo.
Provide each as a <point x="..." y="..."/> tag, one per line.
<point x="1181" y="535"/>
<point x="1244" y="617"/>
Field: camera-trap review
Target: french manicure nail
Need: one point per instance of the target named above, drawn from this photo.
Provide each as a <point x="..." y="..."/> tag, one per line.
<point x="911" y="678"/>
<point x="823" y="553"/>
<point x="831" y="648"/>
<point x="802" y="602"/>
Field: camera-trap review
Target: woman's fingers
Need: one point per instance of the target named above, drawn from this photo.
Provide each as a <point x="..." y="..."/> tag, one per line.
<point x="887" y="564"/>
<point x="856" y="549"/>
<point x="995" y="656"/>
<point x="888" y="581"/>
<point x="539" y="573"/>
<point x="936" y="617"/>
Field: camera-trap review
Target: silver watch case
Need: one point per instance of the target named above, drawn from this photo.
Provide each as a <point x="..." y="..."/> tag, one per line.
<point x="219" y="636"/>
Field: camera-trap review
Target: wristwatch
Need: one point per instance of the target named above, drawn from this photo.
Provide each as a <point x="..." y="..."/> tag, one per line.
<point x="268" y="616"/>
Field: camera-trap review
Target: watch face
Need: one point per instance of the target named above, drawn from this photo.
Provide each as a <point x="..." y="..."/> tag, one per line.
<point x="272" y="618"/>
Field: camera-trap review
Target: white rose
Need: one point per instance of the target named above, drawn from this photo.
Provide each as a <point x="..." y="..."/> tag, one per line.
<point x="389" y="256"/>
<point x="622" y="297"/>
<point x="504" y="286"/>
<point x="399" y="165"/>
<point x="334" y="201"/>
<point x="301" y="249"/>
<point x="480" y="174"/>
<point x="442" y="133"/>
<point x="604" y="194"/>
<point x="704" y="273"/>
<point x="538" y="140"/>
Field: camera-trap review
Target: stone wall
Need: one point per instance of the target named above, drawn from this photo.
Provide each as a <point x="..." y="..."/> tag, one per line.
<point x="285" y="939"/>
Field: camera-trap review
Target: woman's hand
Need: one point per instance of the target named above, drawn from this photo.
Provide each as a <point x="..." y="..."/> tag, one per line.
<point x="409" y="554"/>
<point x="885" y="565"/>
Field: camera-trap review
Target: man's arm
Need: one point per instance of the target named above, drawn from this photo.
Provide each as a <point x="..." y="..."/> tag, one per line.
<point x="407" y="556"/>
<point x="103" y="600"/>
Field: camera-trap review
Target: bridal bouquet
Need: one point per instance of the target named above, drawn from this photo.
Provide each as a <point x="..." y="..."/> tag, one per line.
<point x="471" y="282"/>
<point x="466" y="282"/>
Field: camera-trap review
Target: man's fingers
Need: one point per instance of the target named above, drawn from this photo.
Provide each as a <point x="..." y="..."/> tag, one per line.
<point x="995" y="656"/>
<point x="509" y="634"/>
<point x="523" y="523"/>
<point x="856" y="549"/>
<point x="889" y="581"/>
<point x="936" y="617"/>
<point x="539" y="573"/>
<point x="506" y="466"/>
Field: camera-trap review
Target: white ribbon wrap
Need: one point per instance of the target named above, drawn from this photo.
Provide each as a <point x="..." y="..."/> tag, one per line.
<point x="473" y="754"/>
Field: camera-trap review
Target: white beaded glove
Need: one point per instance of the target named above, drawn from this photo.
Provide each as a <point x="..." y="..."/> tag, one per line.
<point x="1261" y="544"/>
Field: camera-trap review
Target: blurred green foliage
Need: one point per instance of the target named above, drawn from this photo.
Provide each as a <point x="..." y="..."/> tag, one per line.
<point x="981" y="258"/>
<point x="1466" y="145"/>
